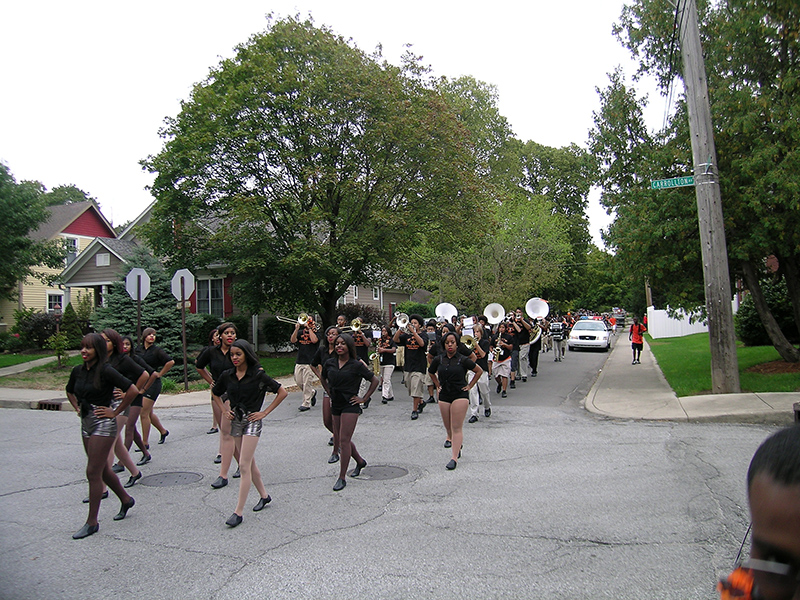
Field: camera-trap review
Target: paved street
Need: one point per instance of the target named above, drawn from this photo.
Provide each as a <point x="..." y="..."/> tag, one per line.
<point x="548" y="501"/>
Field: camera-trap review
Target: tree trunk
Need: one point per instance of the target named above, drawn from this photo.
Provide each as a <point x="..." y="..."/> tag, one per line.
<point x="790" y="265"/>
<point x="788" y="352"/>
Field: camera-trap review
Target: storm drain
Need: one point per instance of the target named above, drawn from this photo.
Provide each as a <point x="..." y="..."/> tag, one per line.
<point x="382" y="472"/>
<point x="50" y="404"/>
<point x="168" y="479"/>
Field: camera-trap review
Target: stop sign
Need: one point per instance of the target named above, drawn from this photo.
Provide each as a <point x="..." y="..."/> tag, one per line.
<point x="139" y="280"/>
<point x="188" y="283"/>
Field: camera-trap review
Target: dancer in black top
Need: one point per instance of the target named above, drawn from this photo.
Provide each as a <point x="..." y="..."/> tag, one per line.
<point x="134" y="372"/>
<point x="211" y="363"/>
<point x="324" y="353"/>
<point x="246" y="385"/>
<point x="341" y="377"/>
<point x="213" y="342"/>
<point x="161" y="363"/>
<point x="131" y="432"/>
<point x="90" y="391"/>
<point x="449" y="374"/>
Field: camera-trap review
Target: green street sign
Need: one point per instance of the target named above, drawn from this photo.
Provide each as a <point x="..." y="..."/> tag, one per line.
<point x="662" y="184"/>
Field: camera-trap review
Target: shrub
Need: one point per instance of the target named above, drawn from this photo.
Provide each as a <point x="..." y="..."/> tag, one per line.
<point x="70" y="327"/>
<point x="276" y="333"/>
<point x="201" y="324"/>
<point x="34" y="327"/>
<point x="59" y="343"/>
<point x="748" y="324"/>
<point x="367" y="314"/>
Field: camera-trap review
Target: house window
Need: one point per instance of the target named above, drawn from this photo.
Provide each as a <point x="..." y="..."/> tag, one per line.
<point x="52" y="300"/>
<point x="71" y="244"/>
<point x="355" y="292"/>
<point x="102" y="260"/>
<point x="211" y="297"/>
<point x="376" y="293"/>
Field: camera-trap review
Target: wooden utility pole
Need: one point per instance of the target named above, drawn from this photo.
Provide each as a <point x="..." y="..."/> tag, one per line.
<point x="724" y="364"/>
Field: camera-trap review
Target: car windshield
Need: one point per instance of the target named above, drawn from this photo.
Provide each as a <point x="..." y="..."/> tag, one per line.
<point x="590" y="326"/>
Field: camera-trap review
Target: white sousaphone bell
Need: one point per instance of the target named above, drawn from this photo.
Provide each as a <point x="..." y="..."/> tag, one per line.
<point x="537" y="309"/>
<point x="446" y="311"/>
<point x="494" y="313"/>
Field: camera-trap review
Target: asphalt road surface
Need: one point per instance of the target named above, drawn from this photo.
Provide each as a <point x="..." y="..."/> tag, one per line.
<point x="548" y="501"/>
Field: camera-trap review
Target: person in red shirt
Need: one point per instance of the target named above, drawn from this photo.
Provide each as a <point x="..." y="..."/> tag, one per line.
<point x="637" y="341"/>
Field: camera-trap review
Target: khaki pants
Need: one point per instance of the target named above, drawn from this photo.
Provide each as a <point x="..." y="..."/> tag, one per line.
<point x="304" y="378"/>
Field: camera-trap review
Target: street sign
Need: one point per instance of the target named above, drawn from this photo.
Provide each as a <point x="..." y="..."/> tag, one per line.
<point x="137" y="281"/>
<point x="188" y="283"/>
<point x="662" y="184"/>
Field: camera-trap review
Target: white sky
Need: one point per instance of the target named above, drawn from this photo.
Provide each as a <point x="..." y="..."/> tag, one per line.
<point x="87" y="84"/>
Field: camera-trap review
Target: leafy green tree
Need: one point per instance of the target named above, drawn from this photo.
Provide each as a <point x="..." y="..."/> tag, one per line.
<point x="316" y="166"/>
<point x="22" y="211"/>
<point x="752" y="49"/>
<point x="66" y="194"/>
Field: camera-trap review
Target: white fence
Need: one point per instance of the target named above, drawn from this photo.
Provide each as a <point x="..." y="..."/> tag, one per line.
<point x="661" y="325"/>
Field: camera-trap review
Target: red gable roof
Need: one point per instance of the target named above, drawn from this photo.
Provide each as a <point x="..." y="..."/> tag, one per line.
<point x="89" y="224"/>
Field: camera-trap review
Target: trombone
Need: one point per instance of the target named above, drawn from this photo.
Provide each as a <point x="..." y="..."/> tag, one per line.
<point x="302" y="319"/>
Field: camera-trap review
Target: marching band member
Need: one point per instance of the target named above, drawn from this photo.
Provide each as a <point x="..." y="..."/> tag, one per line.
<point x="480" y="392"/>
<point x="246" y="385"/>
<point x="501" y="365"/>
<point x="341" y="377"/>
<point x="324" y="353"/>
<point x="161" y="362"/>
<point x="415" y="361"/>
<point x="306" y="337"/>
<point x="512" y="330"/>
<point x="211" y="363"/>
<point x="535" y="347"/>
<point x="449" y="372"/>
<point x="386" y="351"/>
<point x="362" y="343"/>
<point x="524" y="342"/>
<point x="431" y="336"/>
<point x="90" y="391"/>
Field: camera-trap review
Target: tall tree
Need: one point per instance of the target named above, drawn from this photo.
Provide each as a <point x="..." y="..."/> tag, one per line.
<point x="752" y="60"/>
<point x="22" y="211"/>
<point x="318" y="165"/>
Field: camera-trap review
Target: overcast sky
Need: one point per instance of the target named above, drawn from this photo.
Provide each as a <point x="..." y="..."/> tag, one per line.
<point x="87" y="85"/>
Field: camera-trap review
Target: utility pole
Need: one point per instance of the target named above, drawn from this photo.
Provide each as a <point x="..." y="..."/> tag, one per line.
<point x="724" y="363"/>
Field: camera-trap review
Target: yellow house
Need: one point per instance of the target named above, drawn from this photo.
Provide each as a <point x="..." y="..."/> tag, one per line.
<point x="77" y="224"/>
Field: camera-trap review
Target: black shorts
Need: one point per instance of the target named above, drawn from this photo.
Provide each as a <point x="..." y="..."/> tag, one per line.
<point x="338" y="410"/>
<point x="451" y="400"/>
<point x="637" y="346"/>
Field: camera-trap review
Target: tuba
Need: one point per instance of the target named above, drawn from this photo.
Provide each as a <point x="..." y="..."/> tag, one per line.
<point x="537" y="308"/>
<point x="446" y="311"/>
<point x="494" y="313"/>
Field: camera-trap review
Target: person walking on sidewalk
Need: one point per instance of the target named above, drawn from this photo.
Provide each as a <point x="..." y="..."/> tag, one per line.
<point x="90" y="391"/>
<point x="246" y="385"/>
<point x="636" y="335"/>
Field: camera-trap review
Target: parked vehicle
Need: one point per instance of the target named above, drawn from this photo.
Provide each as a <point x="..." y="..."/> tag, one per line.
<point x="589" y="333"/>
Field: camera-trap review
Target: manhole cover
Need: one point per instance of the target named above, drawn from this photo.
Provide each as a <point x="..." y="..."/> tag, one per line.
<point x="380" y="472"/>
<point x="166" y="479"/>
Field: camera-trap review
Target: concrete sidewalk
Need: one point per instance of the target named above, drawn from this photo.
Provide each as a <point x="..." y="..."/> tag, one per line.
<point x="627" y="391"/>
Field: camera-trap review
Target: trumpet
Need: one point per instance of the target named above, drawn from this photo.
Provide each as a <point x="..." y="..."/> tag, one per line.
<point x="403" y="322"/>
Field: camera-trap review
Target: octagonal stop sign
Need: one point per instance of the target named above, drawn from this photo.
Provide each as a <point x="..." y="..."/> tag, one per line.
<point x="137" y="281"/>
<point x="188" y="284"/>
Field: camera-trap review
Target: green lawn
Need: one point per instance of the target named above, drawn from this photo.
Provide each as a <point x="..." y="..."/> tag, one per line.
<point x="686" y="363"/>
<point x="8" y="360"/>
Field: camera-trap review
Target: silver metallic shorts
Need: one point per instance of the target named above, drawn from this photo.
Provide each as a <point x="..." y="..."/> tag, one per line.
<point x="241" y="426"/>
<point x="92" y="425"/>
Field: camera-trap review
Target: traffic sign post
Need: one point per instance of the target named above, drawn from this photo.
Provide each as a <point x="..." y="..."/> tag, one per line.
<point x="181" y="281"/>
<point x="137" y="284"/>
<point x="673" y="182"/>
